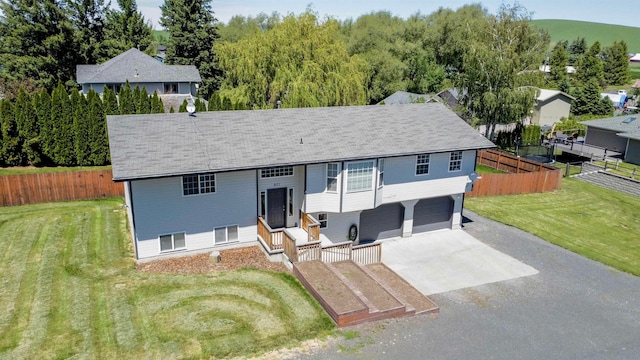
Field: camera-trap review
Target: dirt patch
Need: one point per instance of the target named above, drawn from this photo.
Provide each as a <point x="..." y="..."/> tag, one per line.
<point x="231" y="259"/>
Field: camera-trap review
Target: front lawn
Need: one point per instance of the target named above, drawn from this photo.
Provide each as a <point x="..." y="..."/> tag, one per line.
<point x="70" y="289"/>
<point x="598" y="223"/>
<point x="53" y="169"/>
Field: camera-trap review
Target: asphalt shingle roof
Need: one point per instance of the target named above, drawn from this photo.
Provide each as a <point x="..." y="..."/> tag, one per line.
<point x="157" y="145"/>
<point x="136" y="67"/>
<point x="622" y="124"/>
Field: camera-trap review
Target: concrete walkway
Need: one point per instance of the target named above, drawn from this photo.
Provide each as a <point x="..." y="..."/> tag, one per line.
<point x="449" y="260"/>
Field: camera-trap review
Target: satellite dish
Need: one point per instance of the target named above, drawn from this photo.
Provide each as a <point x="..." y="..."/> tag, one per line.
<point x="473" y="176"/>
<point x="191" y="108"/>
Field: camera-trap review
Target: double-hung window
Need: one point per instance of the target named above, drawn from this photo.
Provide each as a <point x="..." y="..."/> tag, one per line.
<point x="170" y="88"/>
<point x="226" y="234"/>
<point x="422" y="164"/>
<point x="170" y="242"/>
<point x="359" y="176"/>
<point x="455" y="161"/>
<point x="380" y="172"/>
<point x="332" y="177"/>
<point x="322" y="219"/>
<point x="198" y="184"/>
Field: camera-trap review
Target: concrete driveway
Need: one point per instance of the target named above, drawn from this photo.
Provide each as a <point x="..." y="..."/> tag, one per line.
<point x="449" y="260"/>
<point x="574" y="308"/>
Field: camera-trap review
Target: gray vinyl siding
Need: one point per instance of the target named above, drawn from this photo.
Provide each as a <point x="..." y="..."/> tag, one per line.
<point x="338" y="225"/>
<point x="632" y="155"/>
<point x="296" y="182"/>
<point x="317" y="199"/>
<point x="160" y="207"/>
<point x="606" y="139"/>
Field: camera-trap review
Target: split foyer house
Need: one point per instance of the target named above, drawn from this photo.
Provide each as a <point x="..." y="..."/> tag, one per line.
<point x="361" y="173"/>
<point x="140" y="70"/>
<point x="619" y="133"/>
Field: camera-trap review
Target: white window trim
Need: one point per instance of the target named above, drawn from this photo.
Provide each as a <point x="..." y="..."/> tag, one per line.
<point x="226" y="234"/>
<point x="215" y="184"/>
<point x="293" y="172"/>
<point x="173" y="242"/>
<point x="373" y="173"/>
<point x="450" y="161"/>
<point x="381" y="173"/>
<point x="428" y="165"/>
<point x="325" y="221"/>
<point x="326" y="187"/>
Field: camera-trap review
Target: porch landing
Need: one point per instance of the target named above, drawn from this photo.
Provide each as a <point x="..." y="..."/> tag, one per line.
<point x="352" y="294"/>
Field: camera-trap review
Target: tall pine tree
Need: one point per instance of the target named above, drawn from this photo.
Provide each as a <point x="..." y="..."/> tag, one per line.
<point x="97" y="130"/>
<point x="126" y="28"/>
<point x="11" y="152"/>
<point x="27" y="121"/>
<point x="90" y="19"/>
<point x="616" y="64"/>
<point x="193" y="32"/>
<point x="62" y="121"/>
<point x="37" y="42"/>
<point x="42" y="104"/>
<point x="126" y="100"/>
<point x="81" y="128"/>
<point x="110" y="102"/>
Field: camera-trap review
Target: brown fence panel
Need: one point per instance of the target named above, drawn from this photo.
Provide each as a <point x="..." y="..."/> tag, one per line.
<point x="525" y="176"/>
<point x="64" y="186"/>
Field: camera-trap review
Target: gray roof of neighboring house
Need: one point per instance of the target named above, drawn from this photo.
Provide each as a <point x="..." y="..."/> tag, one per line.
<point x="157" y="145"/>
<point x="621" y="124"/>
<point x="546" y="94"/>
<point x="136" y="67"/>
<point x="403" y="97"/>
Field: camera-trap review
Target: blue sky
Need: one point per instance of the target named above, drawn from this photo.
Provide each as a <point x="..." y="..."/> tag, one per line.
<point x="587" y="10"/>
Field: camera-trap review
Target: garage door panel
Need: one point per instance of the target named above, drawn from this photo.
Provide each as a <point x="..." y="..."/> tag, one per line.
<point x="382" y="222"/>
<point x="432" y="214"/>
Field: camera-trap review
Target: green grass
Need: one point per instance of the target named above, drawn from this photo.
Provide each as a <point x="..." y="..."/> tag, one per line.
<point x="483" y="169"/>
<point x="70" y="289"/>
<point x="161" y="36"/>
<point x="42" y="170"/>
<point x="594" y="222"/>
<point x="634" y="69"/>
<point x="621" y="168"/>
<point x="605" y="33"/>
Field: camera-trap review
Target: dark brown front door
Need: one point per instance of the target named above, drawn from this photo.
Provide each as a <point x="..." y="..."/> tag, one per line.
<point x="277" y="207"/>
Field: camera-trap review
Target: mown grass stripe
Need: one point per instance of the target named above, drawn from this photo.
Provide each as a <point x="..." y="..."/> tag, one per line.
<point x="20" y="268"/>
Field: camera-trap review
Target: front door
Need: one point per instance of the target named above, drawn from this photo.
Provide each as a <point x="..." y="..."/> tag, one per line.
<point x="277" y="208"/>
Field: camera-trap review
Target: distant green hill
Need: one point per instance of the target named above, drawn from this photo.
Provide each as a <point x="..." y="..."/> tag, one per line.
<point x="605" y="33"/>
<point x="162" y="36"/>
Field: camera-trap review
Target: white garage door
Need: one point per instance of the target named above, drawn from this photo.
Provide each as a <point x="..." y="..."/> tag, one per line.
<point x="432" y="214"/>
<point x="382" y="222"/>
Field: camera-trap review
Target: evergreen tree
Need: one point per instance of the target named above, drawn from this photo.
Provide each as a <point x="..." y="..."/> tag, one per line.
<point x="42" y="103"/>
<point x="193" y="32"/>
<point x="97" y="130"/>
<point x="156" y="104"/>
<point x="587" y="99"/>
<point x="136" y="100"/>
<point x="81" y="128"/>
<point x="144" y="102"/>
<point x="27" y="121"/>
<point x="214" y="102"/>
<point x="558" y="63"/>
<point x="183" y="106"/>
<point x="589" y="66"/>
<point x="126" y="100"/>
<point x="110" y="102"/>
<point x="616" y="64"/>
<point x="90" y="18"/>
<point x="62" y="130"/>
<point x="200" y="105"/>
<point x="37" y="42"/>
<point x="11" y="151"/>
<point x="126" y="29"/>
<point x="171" y="110"/>
<point x="577" y="48"/>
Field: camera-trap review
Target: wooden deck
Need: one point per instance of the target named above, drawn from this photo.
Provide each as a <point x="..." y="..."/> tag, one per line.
<point x="353" y="294"/>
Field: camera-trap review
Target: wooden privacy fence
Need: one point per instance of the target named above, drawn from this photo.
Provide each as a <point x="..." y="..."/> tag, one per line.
<point x="525" y="176"/>
<point x="63" y="186"/>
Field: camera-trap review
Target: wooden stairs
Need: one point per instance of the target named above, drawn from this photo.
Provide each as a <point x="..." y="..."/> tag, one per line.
<point x="353" y="294"/>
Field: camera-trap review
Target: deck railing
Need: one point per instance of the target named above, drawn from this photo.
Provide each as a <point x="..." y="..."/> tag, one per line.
<point x="273" y="237"/>
<point x="367" y="254"/>
<point x="336" y="252"/>
<point x="311" y="226"/>
<point x="289" y="244"/>
<point x="309" y="251"/>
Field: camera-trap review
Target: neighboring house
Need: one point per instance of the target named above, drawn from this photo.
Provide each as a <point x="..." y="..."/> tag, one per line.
<point x="451" y="97"/>
<point x="140" y="70"/>
<point x="551" y="106"/>
<point x="547" y="69"/>
<point x="403" y="97"/>
<point x="200" y="182"/>
<point x="620" y="133"/>
<point x="635" y="58"/>
<point x="619" y="99"/>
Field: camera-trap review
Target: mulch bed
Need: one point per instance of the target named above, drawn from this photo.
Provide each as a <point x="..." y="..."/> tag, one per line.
<point x="231" y="259"/>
